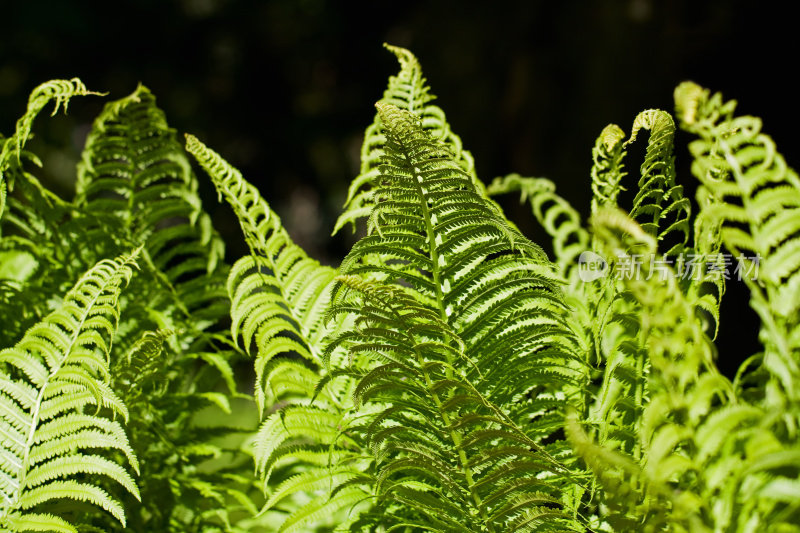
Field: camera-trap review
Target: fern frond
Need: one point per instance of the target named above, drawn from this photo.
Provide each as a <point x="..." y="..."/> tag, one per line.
<point x="278" y="294"/>
<point x="134" y="172"/>
<point x="407" y="90"/>
<point x="698" y="442"/>
<point x="753" y="201"/>
<point x="434" y="230"/>
<point x="49" y="380"/>
<point x="136" y="178"/>
<point x="659" y="205"/>
<point x="452" y="458"/>
<point x="446" y="344"/>
<point x="11" y="148"/>
<point x="59" y="90"/>
<point x="607" y="169"/>
<point x="757" y="211"/>
<point x="663" y="212"/>
<point x="278" y="299"/>
<point x="37" y="224"/>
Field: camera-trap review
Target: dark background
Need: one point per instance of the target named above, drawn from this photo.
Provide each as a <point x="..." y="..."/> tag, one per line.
<point x="283" y="89"/>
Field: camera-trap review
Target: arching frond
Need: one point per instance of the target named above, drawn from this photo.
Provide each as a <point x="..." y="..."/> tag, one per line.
<point x="136" y="177"/>
<point x="58" y="415"/>
<point x="433" y="232"/>
<point x="279" y="295"/>
<point x="278" y="299"/>
<point x="11" y="148"/>
<point x="35" y="224"/>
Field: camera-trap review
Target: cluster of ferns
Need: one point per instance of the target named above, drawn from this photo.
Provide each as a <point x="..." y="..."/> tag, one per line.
<point x="447" y="377"/>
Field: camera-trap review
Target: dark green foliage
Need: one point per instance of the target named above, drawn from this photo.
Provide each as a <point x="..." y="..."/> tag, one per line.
<point x="446" y="377"/>
<point x="170" y="357"/>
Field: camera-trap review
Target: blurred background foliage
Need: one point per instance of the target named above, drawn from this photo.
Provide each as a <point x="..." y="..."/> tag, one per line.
<point x="284" y="88"/>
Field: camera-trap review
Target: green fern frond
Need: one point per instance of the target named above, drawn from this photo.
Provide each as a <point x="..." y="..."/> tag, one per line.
<point x="37" y="224"/>
<point x="136" y="178"/>
<point x="607" y="169"/>
<point x="698" y="442"/>
<point x="434" y="230"/>
<point x="662" y="210"/>
<point x="442" y="440"/>
<point x="758" y="215"/>
<point x="754" y="204"/>
<point x="407" y="90"/>
<point x="135" y="173"/>
<point x="659" y="205"/>
<point x="429" y="214"/>
<point x="49" y="380"/>
<point x="278" y="294"/>
<point x="633" y="492"/>
<point x="59" y="90"/>
<point x="278" y="300"/>
<point x="11" y="148"/>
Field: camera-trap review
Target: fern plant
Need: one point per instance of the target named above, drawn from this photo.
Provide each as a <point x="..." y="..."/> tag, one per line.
<point x="447" y="376"/>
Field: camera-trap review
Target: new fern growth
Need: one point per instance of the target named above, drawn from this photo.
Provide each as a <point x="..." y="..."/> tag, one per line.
<point x="446" y="376"/>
